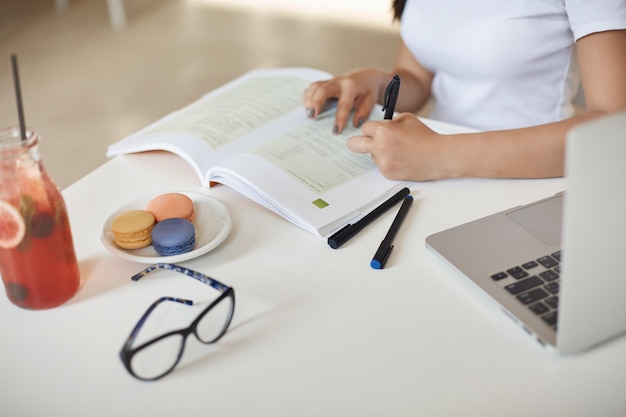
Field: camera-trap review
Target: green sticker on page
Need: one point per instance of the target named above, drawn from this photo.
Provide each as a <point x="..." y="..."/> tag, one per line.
<point x="319" y="203"/>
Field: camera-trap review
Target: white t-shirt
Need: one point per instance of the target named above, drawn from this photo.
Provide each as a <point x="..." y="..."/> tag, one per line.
<point x="502" y="64"/>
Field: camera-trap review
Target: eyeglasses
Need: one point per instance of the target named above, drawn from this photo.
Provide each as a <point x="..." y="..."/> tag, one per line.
<point x="159" y="356"/>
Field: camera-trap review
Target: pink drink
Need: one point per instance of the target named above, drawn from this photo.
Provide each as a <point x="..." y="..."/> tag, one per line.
<point x="37" y="260"/>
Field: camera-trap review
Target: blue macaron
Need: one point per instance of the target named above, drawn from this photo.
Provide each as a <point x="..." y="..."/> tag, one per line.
<point x="173" y="237"/>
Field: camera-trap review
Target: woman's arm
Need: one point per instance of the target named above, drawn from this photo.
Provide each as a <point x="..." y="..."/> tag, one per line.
<point x="406" y="149"/>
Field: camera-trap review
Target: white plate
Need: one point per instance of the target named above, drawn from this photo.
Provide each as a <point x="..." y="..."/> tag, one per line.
<point x="212" y="224"/>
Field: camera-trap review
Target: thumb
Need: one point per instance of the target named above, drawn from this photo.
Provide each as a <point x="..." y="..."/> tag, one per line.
<point x="359" y="144"/>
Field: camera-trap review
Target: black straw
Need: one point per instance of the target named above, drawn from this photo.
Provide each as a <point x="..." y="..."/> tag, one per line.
<point x="18" y="97"/>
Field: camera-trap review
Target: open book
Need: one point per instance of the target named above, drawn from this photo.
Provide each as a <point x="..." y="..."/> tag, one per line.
<point x="252" y="135"/>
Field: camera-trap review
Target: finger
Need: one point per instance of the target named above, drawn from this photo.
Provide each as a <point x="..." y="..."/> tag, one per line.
<point x="314" y="88"/>
<point x="359" y="144"/>
<point x="344" y="108"/>
<point x="317" y="94"/>
<point x="362" y="109"/>
<point x="371" y="127"/>
<point x="348" y="95"/>
<point x="308" y="102"/>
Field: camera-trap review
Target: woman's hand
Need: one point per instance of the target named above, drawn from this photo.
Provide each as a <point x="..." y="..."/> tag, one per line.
<point x="356" y="91"/>
<point x="403" y="148"/>
<point x="360" y="90"/>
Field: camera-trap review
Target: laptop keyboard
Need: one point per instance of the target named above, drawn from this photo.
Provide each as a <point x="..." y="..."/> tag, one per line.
<point x="536" y="284"/>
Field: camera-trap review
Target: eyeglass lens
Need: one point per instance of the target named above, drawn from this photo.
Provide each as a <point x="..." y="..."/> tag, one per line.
<point x="157" y="358"/>
<point x="212" y="325"/>
<point x="162" y="355"/>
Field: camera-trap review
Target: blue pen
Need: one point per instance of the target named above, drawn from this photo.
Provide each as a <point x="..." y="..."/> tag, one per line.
<point x="378" y="262"/>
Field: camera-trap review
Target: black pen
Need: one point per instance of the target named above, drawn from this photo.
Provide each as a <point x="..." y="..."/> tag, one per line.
<point x="378" y="262"/>
<point x="348" y="231"/>
<point x="391" y="96"/>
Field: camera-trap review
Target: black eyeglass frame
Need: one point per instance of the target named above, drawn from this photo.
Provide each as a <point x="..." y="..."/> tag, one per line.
<point x="127" y="352"/>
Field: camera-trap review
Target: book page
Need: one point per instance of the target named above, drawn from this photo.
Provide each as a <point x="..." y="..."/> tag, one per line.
<point x="221" y="119"/>
<point x="316" y="157"/>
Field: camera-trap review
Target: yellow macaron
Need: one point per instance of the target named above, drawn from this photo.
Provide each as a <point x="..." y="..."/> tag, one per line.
<point x="132" y="229"/>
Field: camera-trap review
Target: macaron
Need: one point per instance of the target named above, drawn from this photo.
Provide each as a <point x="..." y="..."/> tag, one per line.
<point x="132" y="229"/>
<point x="171" y="205"/>
<point x="173" y="236"/>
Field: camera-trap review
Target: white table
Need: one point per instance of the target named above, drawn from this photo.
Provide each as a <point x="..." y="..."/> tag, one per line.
<point x="317" y="332"/>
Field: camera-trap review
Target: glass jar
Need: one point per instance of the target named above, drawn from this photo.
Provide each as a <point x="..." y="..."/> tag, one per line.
<point x="37" y="259"/>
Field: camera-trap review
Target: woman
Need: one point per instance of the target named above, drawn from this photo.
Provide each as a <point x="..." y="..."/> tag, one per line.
<point x="509" y="68"/>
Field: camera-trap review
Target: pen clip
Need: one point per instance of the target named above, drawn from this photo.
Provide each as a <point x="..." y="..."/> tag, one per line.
<point x="395" y="82"/>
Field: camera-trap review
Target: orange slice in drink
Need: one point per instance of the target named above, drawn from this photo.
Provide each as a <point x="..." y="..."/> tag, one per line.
<point x="12" y="227"/>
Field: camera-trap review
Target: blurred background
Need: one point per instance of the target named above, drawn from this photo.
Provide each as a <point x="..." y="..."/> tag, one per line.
<point x="91" y="75"/>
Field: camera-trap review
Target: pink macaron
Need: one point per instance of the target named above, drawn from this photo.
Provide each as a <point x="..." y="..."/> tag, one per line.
<point x="171" y="205"/>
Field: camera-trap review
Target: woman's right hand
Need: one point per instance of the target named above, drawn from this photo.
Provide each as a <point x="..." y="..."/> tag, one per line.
<point x="356" y="91"/>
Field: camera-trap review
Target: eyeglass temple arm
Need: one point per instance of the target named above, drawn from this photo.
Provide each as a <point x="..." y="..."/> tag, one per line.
<point x="142" y="320"/>
<point x="193" y="274"/>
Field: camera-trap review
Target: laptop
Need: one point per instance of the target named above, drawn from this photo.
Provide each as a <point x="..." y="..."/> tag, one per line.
<point x="558" y="266"/>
